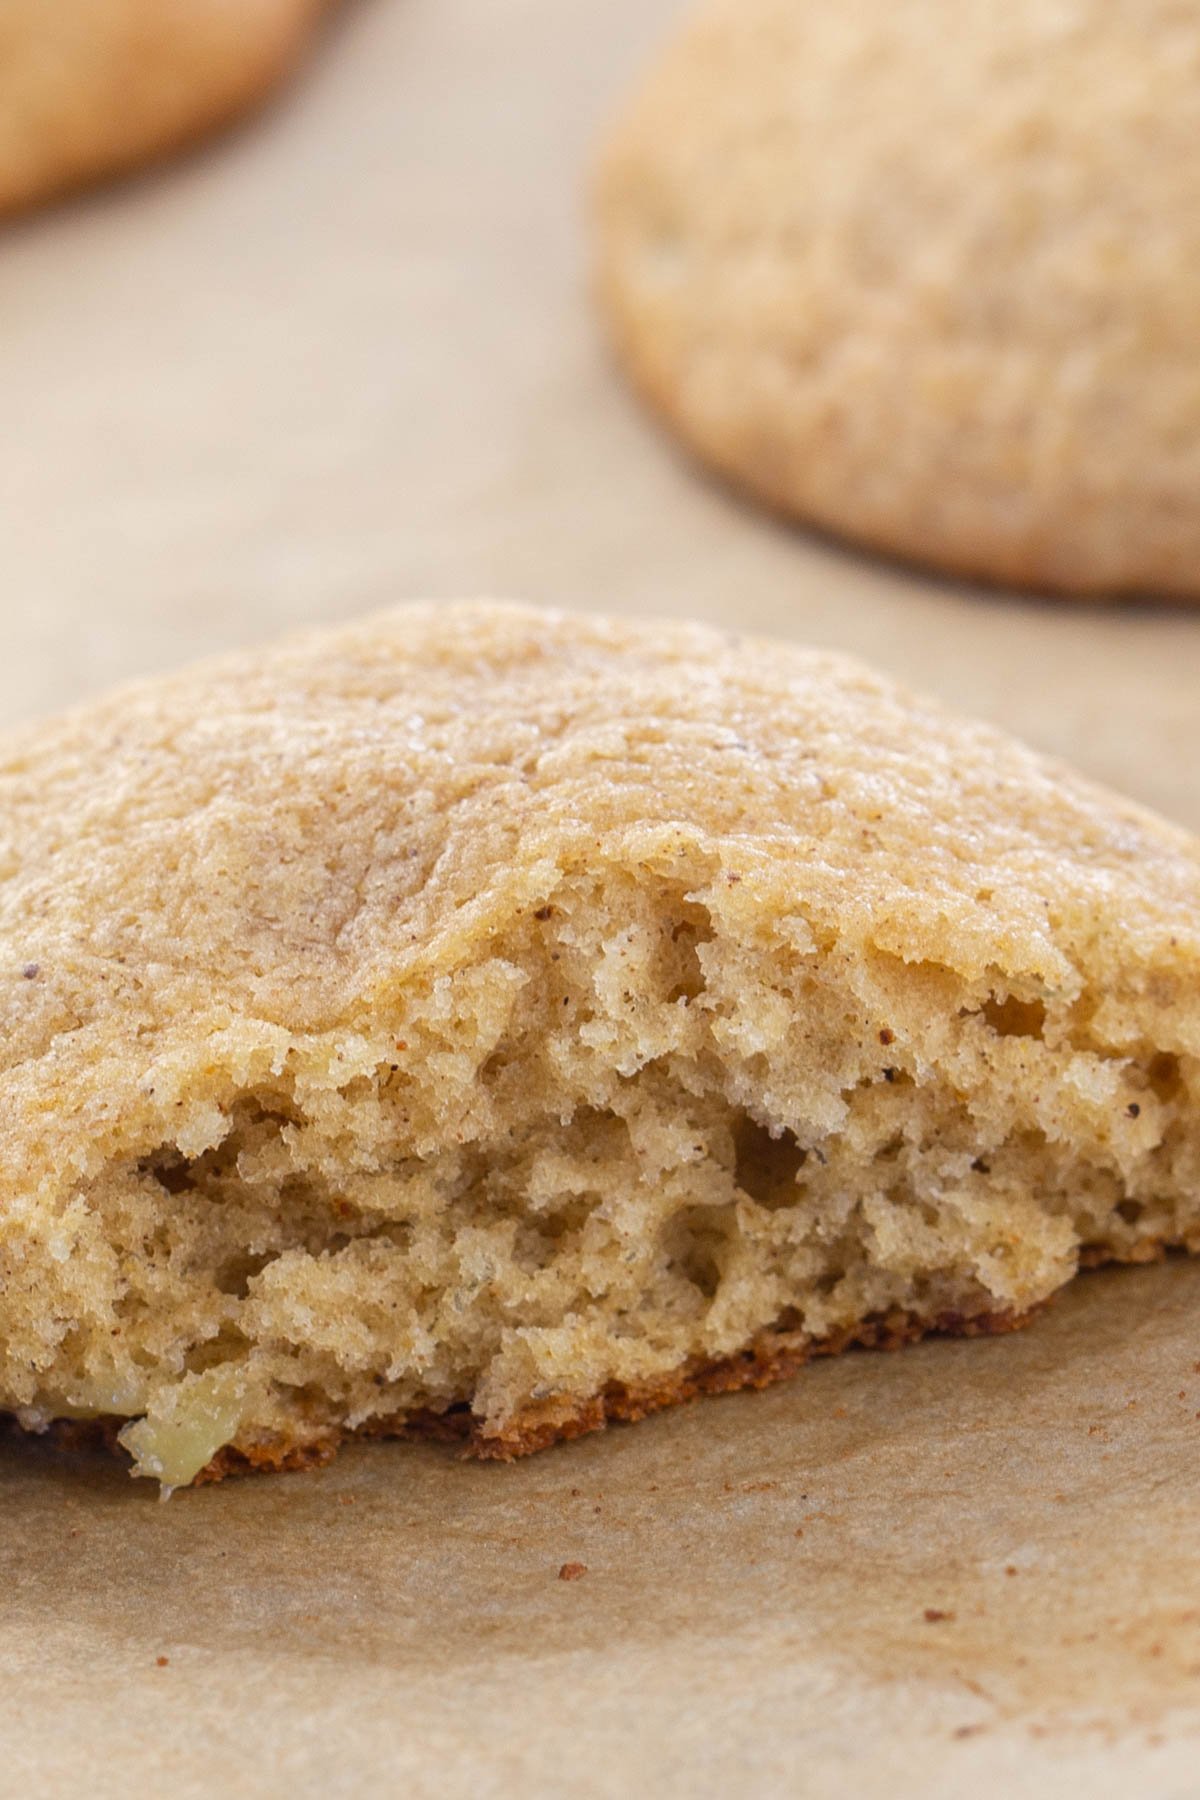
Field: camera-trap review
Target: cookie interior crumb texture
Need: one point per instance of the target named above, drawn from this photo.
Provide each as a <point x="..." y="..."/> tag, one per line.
<point x="493" y="1020"/>
<point x="91" y="88"/>
<point x="928" y="275"/>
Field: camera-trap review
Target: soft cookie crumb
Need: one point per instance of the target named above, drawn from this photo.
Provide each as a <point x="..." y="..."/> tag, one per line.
<point x="403" y="1061"/>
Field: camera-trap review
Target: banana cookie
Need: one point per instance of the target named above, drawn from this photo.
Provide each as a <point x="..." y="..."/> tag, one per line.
<point x="496" y="1021"/>
<point x="928" y="276"/>
<point x="90" y="88"/>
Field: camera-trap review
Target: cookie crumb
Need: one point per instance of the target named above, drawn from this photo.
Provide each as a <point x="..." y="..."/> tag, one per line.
<point x="477" y="667"/>
<point x="161" y="1662"/>
<point x="935" y="1614"/>
<point x="572" y="1571"/>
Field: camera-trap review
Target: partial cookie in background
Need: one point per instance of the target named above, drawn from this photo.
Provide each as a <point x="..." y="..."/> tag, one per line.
<point x="497" y="1021"/>
<point x="929" y="275"/>
<point x="91" y="88"/>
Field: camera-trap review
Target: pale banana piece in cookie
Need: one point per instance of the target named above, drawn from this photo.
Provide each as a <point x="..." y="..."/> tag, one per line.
<point x="928" y="275"/>
<point x="498" y="1020"/>
<point x="92" y="88"/>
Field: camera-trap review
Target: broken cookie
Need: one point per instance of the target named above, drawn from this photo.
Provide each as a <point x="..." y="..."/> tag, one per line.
<point x="492" y="1020"/>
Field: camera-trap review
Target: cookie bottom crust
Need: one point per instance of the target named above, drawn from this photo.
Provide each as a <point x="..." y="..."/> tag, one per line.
<point x="774" y="1356"/>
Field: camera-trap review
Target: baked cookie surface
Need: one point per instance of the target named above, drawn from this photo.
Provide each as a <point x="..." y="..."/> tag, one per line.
<point x="91" y="88"/>
<point x="497" y="1020"/>
<point x="928" y="276"/>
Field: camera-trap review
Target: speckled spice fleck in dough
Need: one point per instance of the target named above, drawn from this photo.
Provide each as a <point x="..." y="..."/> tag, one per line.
<point x="494" y="1020"/>
<point x="90" y="88"/>
<point x="928" y="275"/>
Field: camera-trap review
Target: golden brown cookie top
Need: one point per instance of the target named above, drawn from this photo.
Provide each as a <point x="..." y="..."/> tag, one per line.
<point x="929" y="275"/>
<point x="89" y="88"/>
<point x="229" y="867"/>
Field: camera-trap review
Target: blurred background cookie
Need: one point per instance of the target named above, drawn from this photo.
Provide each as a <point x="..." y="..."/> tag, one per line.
<point x="929" y="275"/>
<point x="90" y="88"/>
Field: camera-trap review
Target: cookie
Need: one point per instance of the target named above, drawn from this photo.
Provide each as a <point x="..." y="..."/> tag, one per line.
<point x="494" y="1021"/>
<point x="91" y="88"/>
<point x="928" y="276"/>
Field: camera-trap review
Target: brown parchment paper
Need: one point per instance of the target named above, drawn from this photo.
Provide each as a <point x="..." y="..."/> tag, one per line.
<point x="343" y="357"/>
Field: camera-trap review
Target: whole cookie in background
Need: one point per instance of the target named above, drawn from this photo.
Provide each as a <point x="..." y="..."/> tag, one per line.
<point x="90" y="88"/>
<point x="929" y="275"/>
